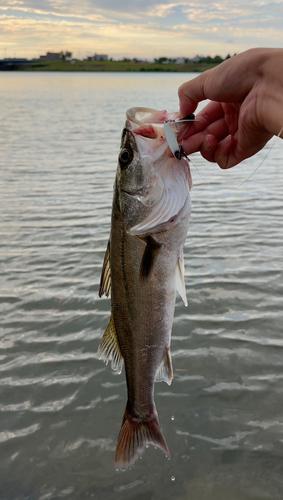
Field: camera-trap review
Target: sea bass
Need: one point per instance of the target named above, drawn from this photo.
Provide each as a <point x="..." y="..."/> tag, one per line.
<point x="143" y="267"/>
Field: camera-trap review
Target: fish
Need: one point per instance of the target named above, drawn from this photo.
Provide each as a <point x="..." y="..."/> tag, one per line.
<point x="142" y="269"/>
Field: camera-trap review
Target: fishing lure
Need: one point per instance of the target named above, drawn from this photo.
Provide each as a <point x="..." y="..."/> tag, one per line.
<point x="176" y="149"/>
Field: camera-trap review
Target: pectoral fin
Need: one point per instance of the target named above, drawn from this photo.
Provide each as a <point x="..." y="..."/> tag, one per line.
<point x="105" y="280"/>
<point x="180" y="279"/>
<point x="151" y="251"/>
<point x="165" y="370"/>
<point x="109" y="349"/>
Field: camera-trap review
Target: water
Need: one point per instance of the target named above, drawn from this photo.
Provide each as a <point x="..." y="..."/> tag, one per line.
<point x="60" y="407"/>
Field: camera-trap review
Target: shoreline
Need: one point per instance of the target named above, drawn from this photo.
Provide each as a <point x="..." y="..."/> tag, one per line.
<point x="109" y="66"/>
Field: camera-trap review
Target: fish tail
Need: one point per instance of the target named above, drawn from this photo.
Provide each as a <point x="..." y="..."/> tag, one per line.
<point x="135" y="435"/>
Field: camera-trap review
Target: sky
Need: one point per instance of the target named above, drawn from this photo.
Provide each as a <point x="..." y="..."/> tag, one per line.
<point x="138" y="28"/>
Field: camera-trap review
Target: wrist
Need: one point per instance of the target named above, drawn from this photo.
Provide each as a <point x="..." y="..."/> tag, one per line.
<point x="270" y="92"/>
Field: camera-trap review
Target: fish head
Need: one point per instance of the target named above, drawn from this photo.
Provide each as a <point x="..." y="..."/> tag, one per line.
<point x="133" y="177"/>
<point x="151" y="187"/>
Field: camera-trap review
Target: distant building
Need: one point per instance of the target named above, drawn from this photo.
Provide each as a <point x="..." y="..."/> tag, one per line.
<point x="98" y="57"/>
<point x="180" y="60"/>
<point x="51" y="56"/>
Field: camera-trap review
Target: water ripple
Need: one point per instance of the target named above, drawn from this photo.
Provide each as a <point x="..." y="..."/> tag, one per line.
<point x="7" y="435"/>
<point x="59" y="138"/>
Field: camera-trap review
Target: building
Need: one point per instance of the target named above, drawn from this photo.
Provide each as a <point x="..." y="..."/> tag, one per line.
<point x="180" y="60"/>
<point x="99" y="57"/>
<point x="51" y="56"/>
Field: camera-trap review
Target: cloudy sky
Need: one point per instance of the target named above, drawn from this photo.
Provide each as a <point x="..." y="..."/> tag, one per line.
<point x="141" y="28"/>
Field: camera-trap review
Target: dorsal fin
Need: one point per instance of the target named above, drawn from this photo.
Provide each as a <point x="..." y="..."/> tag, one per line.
<point x="109" y="349"/>
<point x="165" y="370"/>
<point x="180" y="279"/>
<point x="105" y="280"/>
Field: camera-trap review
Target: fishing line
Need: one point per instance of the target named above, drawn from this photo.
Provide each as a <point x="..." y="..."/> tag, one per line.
<point x="178" y="150"/>
<point x="249" y="176"/>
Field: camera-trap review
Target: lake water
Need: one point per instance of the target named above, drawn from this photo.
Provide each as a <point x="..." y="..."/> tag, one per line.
<point x="60" y="407"/>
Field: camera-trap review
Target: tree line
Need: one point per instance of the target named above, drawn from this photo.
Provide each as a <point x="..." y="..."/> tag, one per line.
<point x="198" y="59"/>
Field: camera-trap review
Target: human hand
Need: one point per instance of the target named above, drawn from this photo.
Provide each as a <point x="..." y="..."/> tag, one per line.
<point x="246" y="107"/>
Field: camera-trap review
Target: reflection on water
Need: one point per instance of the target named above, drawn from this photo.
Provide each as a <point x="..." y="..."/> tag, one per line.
<point x="61" y="408"/>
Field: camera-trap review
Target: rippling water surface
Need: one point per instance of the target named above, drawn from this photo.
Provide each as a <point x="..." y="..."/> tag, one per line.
<point x="60" y="407"/>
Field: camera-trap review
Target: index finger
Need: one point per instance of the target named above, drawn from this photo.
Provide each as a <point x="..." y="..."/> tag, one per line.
<point x="212" y="112"/>
<point x="191" y="93"/>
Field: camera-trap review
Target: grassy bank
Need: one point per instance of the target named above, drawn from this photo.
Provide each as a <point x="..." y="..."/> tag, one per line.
<point x="113" y="66"/>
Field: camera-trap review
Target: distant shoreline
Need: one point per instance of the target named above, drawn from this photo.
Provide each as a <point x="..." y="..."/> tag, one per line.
<point x="113" y="66"/>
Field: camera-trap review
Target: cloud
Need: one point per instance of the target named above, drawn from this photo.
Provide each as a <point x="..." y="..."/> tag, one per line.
<point x="144" y="28"/>
<point x="233" y="12"/>
<point x="162" y="10"/>
<point x="41" y="11"/>
<point x="85" y="9"/>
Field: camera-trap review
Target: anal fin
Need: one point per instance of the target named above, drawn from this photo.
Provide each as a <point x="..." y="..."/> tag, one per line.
<point x="109" y="349"/>
<point x="165" y="370"/>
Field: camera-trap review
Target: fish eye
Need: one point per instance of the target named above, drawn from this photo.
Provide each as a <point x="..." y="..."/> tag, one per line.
<point x="125" y="157"/>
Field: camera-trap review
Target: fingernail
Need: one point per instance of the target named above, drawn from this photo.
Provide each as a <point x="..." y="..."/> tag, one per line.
<point x="206" y="144"/>
<point x="209" y="142"/>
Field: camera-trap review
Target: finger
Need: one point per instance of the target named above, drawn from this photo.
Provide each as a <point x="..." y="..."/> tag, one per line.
<point x="217" y="129"/>
<point x="211" y="113"/>
<point x="230" y="81"/>
<point x="215" y="118"/>
<point x="208" y="147"/>
<point x="224" y="153"/>
<point x="191" y="93"/>
<point x="228" y="152"/>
